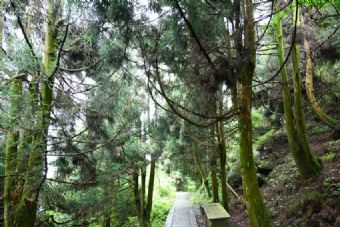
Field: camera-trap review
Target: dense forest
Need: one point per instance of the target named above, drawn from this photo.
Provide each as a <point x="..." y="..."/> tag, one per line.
<point x="110" y="107"/>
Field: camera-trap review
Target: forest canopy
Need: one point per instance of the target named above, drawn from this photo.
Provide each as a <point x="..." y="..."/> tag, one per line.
<point x="110" y="107"/>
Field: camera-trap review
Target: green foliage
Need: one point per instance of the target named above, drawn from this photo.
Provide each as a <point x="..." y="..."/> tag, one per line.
<point x="131" y="222"/>
<point x="160" y="211"/>
<point x="329" y="157"/>
<point x="258" y="118"/>
<point x="164" y="196"/>
<point x="261" y="140"/>
<point x="332" y="186"/>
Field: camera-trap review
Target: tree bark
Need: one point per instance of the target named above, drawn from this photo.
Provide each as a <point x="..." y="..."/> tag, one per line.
<point x="313" y="164"/>
<point x="214" y="182"/>
<point x="25" y="212"/>
<point x="256" y="210"/>
<point x="148" y="207"/>
<point x="223" y="162"/>
<point x="326" y="119"/>
<point x="11" y="192"/>
<point x="137" y="196"/>
<point x="306" y="162"/>
<point x="204" y="177"/>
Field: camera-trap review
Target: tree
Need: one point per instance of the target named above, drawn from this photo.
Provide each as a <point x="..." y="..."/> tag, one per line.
<point x="21" y="206"/>
<point x="258" y="215"/>
<point x="306" y="161"/>
<point x="328" y="120"/>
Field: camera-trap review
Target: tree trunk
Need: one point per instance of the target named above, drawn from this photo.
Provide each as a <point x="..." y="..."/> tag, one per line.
<point x="144" y="208"/>
<point x="304" y="159"/>
<point x="326" y="119"/>
<point x="142" y="195"/>
<point x="11" y="193"/>
<point x="148" y="207"/>
<point x="257" y="212"/>
<point x="204" y="177"/>
<point x="311" y="161"/>
<point x="25" y="213"/>
<point x="214" y="182"/>
<point x="223" y="162"/>
<point x="256" y="209"/>
<point x="137" y="196"/>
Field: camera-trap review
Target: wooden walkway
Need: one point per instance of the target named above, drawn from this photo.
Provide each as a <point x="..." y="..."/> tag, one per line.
<point x="183" y="212"/>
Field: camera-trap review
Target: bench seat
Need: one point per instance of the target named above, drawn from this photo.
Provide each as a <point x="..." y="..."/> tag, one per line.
<point x="216" y="215"/>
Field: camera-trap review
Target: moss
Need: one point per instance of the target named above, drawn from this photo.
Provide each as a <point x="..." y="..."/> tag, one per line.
<point x="306" y="161"/>
<point x="329" y="157"/>
<point x="334" y="146"/>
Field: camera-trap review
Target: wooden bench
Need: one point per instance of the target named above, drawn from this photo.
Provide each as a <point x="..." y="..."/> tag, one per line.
<point x="216" y="215"/>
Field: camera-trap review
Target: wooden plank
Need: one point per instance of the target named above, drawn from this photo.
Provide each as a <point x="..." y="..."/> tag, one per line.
<point x="215" y="211"/>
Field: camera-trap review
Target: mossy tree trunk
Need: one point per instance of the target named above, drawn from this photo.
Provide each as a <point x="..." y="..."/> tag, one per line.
<point x="26" y="207"/>
<point x="223" y="161"/>
<point x="136" y="192"/>
<point x="148" y="207"/>
<point x="213" y="149"/>
<point x="313" y="164"/>
<point x="213" y="166"/>
<point x="307" y="163"/>
<point x="214" y="180"/>
<point x="326" y="119"/>
<point x="11" y="194"/>
<point x="256" y="210"/>
<point x="143" y="203"/>
<point x="204" y="177"/>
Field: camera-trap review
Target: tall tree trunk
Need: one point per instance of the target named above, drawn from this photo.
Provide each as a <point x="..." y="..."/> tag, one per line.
<point x="11" y="194"/>
<point x="214" y="181"/>
<point x="214" y="149"/>
<point x="2" y="179"/>
<point x="148" y="207"/>
<point x="314" y="164"/>
<point x="256" y="209"/>
<point x="25" y="213"/>
<point x="137" y="196"/>
<point x="142" y="195"/>
<point x="213" y="167"/>
<point x="306" y="162"/>
<point x="257" y="212"/>
<point x="326" y="119"/>
<point x="204" y="177"/>
<point x="223" y="161"/>
<point x="143" y="207"/>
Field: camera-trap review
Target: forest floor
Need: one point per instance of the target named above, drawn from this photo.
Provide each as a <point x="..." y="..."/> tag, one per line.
<point x="292" y="201"/>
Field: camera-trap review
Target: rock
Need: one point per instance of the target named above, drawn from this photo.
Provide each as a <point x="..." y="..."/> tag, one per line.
<point x="235" y="175"/>
<point x="264" y="170"/>
<point x="261" y="180"/>
<point x="264" y="167"/>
